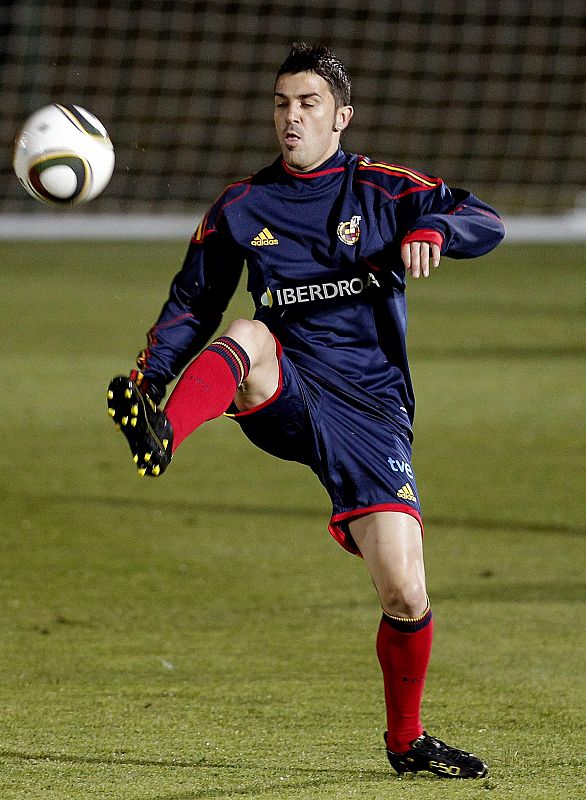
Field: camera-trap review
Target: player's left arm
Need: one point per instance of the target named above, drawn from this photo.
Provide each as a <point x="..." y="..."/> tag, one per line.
<point x="447" y="221"/>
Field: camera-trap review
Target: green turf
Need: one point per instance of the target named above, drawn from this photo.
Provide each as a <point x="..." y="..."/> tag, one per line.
<point x="201" y="636"/>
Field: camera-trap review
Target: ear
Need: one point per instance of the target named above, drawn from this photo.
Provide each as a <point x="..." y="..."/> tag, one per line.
<point x="343" y="116"/>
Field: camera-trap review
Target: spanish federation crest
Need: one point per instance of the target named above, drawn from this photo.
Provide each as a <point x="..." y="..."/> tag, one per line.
<point x="349" y="232"/>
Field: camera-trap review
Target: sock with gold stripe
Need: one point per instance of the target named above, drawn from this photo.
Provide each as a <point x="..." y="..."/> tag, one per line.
<point x="403" y="647"/>
<point x="207" y="387"/>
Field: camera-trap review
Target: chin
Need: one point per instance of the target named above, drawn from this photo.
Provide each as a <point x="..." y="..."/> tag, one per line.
<point x="294" y="161"/>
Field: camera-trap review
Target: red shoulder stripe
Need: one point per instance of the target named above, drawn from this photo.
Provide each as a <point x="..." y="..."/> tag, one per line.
<point x="399" y="172"/>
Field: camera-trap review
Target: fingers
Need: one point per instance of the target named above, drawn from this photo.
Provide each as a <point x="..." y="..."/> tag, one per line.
<point x="418" y="257"/>
<point x="406" y="256"/>
<point x="435" y="255"/>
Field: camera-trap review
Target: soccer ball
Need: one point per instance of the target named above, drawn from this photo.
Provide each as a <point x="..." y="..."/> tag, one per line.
<point x="63" y="155"/>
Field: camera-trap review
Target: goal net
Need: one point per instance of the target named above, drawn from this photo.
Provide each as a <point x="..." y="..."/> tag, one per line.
<point x="488" y="94"/>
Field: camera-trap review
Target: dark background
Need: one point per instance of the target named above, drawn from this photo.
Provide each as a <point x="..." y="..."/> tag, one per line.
<point x="487" y="95"/>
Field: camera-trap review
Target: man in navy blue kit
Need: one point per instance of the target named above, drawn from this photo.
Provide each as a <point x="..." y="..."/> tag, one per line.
<point x="320" y="375"/>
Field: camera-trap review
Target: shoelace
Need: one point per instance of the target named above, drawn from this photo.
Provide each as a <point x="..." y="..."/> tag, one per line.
<point x="451" y="752"/>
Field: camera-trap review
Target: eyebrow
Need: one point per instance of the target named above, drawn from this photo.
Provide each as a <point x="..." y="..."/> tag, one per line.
<point x="300" y="96"/>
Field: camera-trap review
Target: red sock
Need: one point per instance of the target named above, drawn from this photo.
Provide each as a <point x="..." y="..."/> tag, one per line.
<point x="403" y="647"/>
<point x="207" y="387"/>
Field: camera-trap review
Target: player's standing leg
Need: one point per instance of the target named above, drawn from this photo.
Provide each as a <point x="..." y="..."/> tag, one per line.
<point x="392" y="548"/>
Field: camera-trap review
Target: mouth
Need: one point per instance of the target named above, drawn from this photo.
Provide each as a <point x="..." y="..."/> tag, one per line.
<point x="291" y="138"/>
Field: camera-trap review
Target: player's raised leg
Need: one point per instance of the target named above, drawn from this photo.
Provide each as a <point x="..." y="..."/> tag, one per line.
<point x="240" y="365"/>
<point x="391" y="544"/>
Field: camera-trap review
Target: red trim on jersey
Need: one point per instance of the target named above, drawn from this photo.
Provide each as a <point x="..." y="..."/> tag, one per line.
<point x="370" y="265"/>
<point x="380" y="188"/>
<point x="307" y="175"/>
<point x="272" y="398"/>
<point x="396" y="173"/>
<point x="398" y="170"/>
<point x="476" y="211"/>
<point x="201" y="231"/>
<point x="248" y="187"/>
<point x="344" y="538"/>
<point x="415" y="189"/>
<point x="401" y="194"/>
<point x="170" y="322"/>
<point x="198" y="239"/>
<point x="424" y="235"/>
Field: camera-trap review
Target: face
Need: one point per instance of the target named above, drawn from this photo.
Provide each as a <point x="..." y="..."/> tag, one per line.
<point x="307" y="122"/>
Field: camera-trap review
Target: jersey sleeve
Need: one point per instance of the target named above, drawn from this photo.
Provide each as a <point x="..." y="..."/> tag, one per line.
<point x="198" y="297"/>
<point x="462" y="225"/>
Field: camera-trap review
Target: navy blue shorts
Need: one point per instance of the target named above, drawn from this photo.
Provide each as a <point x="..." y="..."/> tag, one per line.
<point x="363" y="461"/>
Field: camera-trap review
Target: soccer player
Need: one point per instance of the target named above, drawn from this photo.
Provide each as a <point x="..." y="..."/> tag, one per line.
<point x="320" y="375"/>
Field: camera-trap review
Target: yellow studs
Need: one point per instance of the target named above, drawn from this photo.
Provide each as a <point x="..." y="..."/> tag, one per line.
<point x="133" y="422"/>
<point x="124" y="421"/>
<point x="156" y="469"/>
<point x="147" y="457"/>
<point x="110" y="394"/>
<point x="111" y="412"/>
<point x="142" y="472"/>
<point x="135" y="459"/>
<point x="134" y="410"/>
<point x="165" y="444"/>
<point x="128" y="393"/>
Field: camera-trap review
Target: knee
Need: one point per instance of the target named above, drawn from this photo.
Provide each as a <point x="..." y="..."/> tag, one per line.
<point x="254" y="337"/>
<point x="406" y="599"/>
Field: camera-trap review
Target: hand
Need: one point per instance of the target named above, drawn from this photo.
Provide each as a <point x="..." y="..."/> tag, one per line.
<point x="416" y="257"/>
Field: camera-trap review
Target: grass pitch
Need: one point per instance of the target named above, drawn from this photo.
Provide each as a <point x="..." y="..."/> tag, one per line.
<point x="201" y="636"/>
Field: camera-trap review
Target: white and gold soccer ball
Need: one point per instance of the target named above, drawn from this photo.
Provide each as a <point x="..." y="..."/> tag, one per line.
<point x="63" y="155"/>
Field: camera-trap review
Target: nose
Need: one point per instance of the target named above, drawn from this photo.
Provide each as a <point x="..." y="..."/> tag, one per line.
<point x="292" y="114"/>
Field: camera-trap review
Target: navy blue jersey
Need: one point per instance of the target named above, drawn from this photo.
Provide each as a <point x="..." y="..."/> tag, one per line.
<point x="325" y="273"/>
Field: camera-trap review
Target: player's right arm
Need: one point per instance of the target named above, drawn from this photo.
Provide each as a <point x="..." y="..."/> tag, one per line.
<point x="198" y="297"/>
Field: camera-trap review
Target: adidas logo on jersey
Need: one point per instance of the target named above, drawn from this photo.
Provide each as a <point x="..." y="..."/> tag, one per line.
<point x="407" y="493"/>
<point x="265" y="237"/>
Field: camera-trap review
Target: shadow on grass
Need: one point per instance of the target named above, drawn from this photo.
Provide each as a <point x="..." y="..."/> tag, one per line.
<point x="259" y="786"/>
<point x="309" y="513"/>
<point x="505" y="351"/>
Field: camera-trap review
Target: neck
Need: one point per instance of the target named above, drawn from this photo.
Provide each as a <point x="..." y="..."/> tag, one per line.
<point x="313" y="167"/>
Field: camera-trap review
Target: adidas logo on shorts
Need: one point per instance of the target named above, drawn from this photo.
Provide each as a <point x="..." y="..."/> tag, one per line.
<point x="407" y="493"/>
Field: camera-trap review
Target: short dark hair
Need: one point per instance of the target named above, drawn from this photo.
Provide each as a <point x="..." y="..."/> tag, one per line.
<point x="318" y="58"/>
